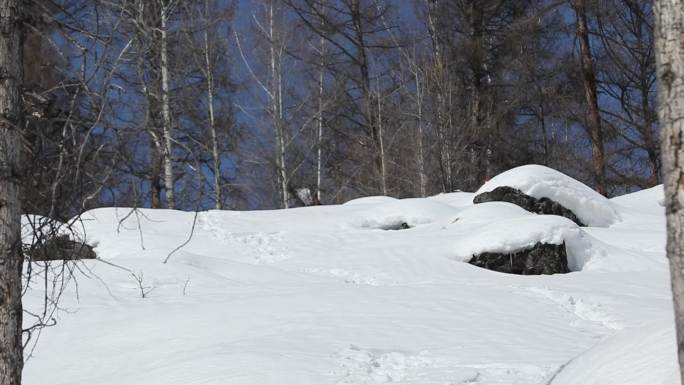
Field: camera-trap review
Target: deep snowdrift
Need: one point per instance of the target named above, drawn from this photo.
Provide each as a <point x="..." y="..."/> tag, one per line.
<point x="323" y="296"/>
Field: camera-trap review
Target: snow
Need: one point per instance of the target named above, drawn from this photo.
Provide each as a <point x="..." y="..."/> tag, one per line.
<point x="516" y="234"/>
<point x="321" y="295"/>
<point x="371" y="200"/>
<point x="591" y="208"/>
<point x="413" y="212"/>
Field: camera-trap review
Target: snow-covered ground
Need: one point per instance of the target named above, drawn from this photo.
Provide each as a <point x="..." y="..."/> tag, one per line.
<point x="323" y="295"/>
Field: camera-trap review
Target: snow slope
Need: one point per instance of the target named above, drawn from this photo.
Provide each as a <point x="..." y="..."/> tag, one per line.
<point x="322" y="296"/>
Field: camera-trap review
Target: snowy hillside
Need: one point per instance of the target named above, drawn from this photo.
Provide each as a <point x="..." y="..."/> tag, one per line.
<point x="328" y="295"/>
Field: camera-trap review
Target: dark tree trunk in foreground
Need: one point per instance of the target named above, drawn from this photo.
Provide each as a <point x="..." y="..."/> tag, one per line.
<point x="593" y="115"/>
<point x="669" y="43"/>
<point x="11" y="128"/>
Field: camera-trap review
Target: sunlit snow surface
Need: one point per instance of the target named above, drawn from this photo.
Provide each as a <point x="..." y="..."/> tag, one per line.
<point x="323" y="296"/>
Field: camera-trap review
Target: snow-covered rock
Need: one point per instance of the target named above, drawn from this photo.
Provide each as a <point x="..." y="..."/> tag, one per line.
<point x="412" y="212"/>
<point x="488" y="212"/>
<point x="511" y="235"/>
<point x="537" y="181"/>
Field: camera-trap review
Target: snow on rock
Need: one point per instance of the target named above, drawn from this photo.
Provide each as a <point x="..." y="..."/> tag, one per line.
<point x="489" y="212"/>
<point x="38" y="228"/>
<point x="537" y="181"/>
<point x="511" y="235"/>
<point x="412" y="212"/>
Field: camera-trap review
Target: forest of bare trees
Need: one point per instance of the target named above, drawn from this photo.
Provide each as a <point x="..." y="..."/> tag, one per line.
<point x="279" y="103"/>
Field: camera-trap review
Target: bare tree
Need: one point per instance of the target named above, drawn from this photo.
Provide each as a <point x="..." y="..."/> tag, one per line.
<point x="626" y="77"/>
<point x="269" y="26"/>
<point x="169" y="179"/>
<point x="589" y="80"/>
<point x="209" y="75"/>
<point x="669" y="48"/>
<point x="11" y="131"/>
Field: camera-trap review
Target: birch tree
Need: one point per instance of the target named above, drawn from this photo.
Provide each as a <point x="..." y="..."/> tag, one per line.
<point x="169" y="179"/>
<point x="669" y="48"/>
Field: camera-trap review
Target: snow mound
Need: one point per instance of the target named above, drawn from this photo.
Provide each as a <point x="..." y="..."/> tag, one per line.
<point x="370" y="200"/>
<point x="645" y="355"/>
<point x="510" y="235"/>
<point x="412" y="211"/>
<point x="489" y="212"/>
<point x="538" y="181"/>
<point x="455" y="199"/>
<point x="650" y="201"/>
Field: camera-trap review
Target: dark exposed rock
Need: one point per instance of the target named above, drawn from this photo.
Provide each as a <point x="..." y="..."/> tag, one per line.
<point x="531" y="204"/>
<point x="61" y="248"/>
<point x="542" y="258"/>
<point x="396" y="226"/>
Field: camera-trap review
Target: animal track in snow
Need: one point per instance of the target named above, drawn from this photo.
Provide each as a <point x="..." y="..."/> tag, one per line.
<point x="378" y="279"/>
<point x="361" y="366"/>
<point x="262" y="247"/>
<point x="582" y="309"/>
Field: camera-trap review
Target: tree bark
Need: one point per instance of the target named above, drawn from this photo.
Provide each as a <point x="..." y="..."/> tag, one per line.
<point x="479" y="137"/>
<point x="669" y="48"/>
<point x="321" y="85"/>
<point x="593" y="114"/>
<point x="11" y="131"/>
<point x="374" y="129"/>
<point x="218" y="194"/>
<point x="441" y="82"/>
<point x="422" y="178"/>
<point x="166" y="110"/>
<point x="276" y="96"/>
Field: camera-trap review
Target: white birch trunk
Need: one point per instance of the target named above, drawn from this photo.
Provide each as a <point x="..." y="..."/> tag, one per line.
<point x="422" y="180"/>
<point x="216" y="156"/>
<point x="319" y="142"/>
<point x="381" y="146"/>
<point x="669" y="49"/>
<point x="166" y="111"/>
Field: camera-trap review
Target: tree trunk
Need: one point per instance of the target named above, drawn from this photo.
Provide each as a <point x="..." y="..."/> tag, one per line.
<point x="319" y="141"/>
<point x="156" y="158"/>
<point x="166" y="110"/>
<point x="216" y="156"/>
<point x="276" y="95"/>
<point x="381" y="145"/>
<point x="440" y="83"/>
<point x="593" y="115"/>
<point x="669" y="49"/>
<point x="478" y="136"/>
<point x="373" y="125"/>
<point x="420" y="157"/>
<point x="11" y="130"/>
